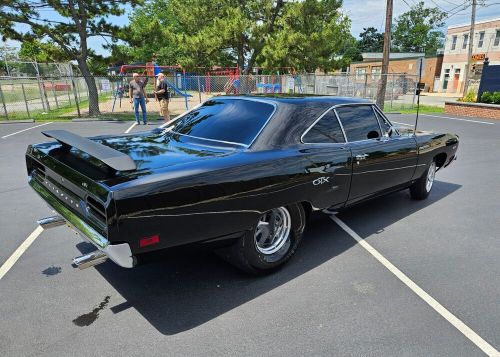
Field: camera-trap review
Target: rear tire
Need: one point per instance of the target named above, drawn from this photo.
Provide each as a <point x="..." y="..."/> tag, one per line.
<point x="422" y="187"/>
<point x="271" y="243"/>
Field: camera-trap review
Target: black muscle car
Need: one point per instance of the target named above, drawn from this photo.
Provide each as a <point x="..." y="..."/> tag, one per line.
<point x="240" y="171"/>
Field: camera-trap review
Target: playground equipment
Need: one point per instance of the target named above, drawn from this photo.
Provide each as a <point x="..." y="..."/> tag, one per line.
<point x="151" y="70"/>
<point x="276" y="82"/>
<point x="231" y="86"/>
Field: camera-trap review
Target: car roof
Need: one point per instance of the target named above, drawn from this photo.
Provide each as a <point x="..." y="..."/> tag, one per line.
<point x="296" y="98"/>
<point x="293" y="114"/>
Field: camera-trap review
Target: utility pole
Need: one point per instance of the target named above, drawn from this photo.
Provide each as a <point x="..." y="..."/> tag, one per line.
<point x="471" y="45"/>
<point x="385" y="59"/>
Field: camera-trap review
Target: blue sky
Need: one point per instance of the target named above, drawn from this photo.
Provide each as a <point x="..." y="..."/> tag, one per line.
<point x="368" y="13"/>
<point x="365" y="13"/>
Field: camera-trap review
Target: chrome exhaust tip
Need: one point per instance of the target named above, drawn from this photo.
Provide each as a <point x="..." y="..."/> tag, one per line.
<point x="89" y="260"/>
<point x="51" y="222"/>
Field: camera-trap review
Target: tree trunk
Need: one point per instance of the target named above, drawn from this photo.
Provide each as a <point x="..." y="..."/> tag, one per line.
<point x="241" y="57"/>
<point x="91" y="87"/>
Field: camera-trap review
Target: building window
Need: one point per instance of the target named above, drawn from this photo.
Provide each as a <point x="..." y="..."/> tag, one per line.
<point x="360" y="72"/>
<point x="497" y="38"/>
<point x="466" y="40"/>
<point x="481" y="39"/>
<point x="376" y="72"/>
<point x="453" y="43"/>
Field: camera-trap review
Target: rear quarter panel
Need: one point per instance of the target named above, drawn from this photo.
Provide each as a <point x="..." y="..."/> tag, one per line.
<point x="219" y="198"/>
<point x="430" y="145"/>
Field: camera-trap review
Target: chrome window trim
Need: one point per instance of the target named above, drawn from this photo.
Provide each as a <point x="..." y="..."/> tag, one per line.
<point x="378" y="121"/>
<point x="378" y="112"/>
<point x="222" y="141"/>
<point x="342" y="126"/>
<point x="316" y="121"/>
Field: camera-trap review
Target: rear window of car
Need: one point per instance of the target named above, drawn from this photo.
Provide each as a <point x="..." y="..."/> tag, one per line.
<point x="230" y="120"/>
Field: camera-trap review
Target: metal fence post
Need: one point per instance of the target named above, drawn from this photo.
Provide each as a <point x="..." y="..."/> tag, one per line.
<point x="347" y="88"/>
<point x="76" y="98"/>
<point x="55" y="94"/>
<point x="45" y="96"/>
<point x="366" y="84"/>
<point x="414" y="93"/>
<point x="25" y="101"/>
<point x="67" y="86"/>
<point x="392" y="90"/>
<point x="41" y="94"/>
<point x="199" y="89"/>
<point x="3" y="103"/>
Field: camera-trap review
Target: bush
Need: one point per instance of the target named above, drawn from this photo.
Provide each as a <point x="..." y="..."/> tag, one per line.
<point x="496" y="98"/>
<point x="486" y="97"/>
<point x="469" y="98"/>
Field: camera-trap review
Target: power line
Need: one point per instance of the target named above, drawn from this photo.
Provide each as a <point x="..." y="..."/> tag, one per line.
<point x="407" y="4"/>
<point x="441" y="8"/>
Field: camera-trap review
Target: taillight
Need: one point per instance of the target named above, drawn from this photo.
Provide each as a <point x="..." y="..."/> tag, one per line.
<point x="144" y="242"/>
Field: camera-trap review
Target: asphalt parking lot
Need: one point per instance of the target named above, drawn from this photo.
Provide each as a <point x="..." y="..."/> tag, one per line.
<point x="333" y="298"/>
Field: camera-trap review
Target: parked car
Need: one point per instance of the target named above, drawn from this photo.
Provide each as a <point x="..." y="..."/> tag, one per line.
<point x="240" y="171"/>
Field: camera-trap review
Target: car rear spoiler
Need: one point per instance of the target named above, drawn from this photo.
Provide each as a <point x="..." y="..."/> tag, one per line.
<point x="111" y="157"/>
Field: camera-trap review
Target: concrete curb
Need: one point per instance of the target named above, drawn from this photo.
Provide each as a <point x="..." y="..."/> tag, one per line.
<point x="24" y="121"/>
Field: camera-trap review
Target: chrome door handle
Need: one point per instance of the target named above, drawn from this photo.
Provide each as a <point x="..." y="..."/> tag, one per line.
<point x="361" y="157"/>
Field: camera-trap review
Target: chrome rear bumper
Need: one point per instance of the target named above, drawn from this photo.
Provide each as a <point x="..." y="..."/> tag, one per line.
<point x="118" y="253"/>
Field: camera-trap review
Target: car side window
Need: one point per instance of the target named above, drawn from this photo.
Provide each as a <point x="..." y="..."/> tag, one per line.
<point x="359" y="122"/>
<point x="326" y="130"/>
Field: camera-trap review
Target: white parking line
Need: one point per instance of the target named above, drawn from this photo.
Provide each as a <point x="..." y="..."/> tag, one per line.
<point x="19" y="251"/>
<point x="396" y="122"/>
<point x="20" y="131"/>
<point x="440" y="309"/>
<point x="130" y="128"/>
<point x="469" y="120"/>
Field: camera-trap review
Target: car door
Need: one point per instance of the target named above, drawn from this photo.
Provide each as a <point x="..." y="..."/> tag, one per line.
<point x="329" y="157"/>
<point x="382" y="159"/>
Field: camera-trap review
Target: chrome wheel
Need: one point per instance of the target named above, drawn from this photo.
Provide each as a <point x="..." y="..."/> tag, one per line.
<point x="431" y="174"/>
<point x="273" y="231"/>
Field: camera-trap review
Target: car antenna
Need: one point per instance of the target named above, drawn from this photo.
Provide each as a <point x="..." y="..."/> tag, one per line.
<point x="420" y="87"/>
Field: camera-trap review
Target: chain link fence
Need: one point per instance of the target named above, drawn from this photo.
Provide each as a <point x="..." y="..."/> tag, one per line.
<point x="69" y="97"/>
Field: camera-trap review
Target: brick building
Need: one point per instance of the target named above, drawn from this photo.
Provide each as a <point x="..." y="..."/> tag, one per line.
<point x="486" y="43"/>
<point x="400" y="63"/>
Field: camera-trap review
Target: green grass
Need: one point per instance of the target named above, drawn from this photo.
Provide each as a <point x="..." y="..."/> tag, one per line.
<point x="406" y="110"/>
<point x="64" y="113"/>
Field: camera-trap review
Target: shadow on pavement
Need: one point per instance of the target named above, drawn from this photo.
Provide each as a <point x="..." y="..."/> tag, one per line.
<point x="189" y="287"/>
<point x="371" y="217"/>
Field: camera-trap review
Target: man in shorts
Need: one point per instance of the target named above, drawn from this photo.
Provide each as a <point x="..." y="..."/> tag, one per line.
<point x="163" y="96"/>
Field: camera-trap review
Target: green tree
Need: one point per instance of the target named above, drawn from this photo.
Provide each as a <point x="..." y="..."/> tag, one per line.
<point x="419" y="30"/>
<point x="370" y="40"/>
<point x="35" y="50"/>
<point x="309" y="35"/>
<point x="351" y="53"/>
<point x="237" y="29"/>
<point x="70" y="25"/>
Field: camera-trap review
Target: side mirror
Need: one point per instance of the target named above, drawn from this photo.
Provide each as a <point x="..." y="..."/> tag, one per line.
<point x="373" y="135"/>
